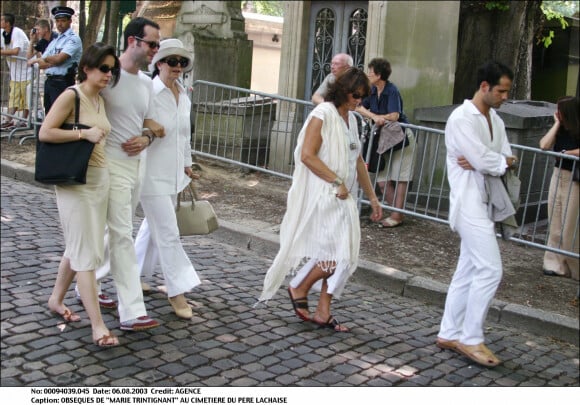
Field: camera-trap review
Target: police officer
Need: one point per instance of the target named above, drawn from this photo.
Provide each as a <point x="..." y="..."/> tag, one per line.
<point x="61" y="57"/>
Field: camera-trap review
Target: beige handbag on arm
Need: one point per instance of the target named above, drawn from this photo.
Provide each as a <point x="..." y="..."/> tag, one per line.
<point x="194" y="217"/>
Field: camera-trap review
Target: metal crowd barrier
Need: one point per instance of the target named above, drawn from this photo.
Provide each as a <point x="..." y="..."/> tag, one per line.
<point x="258" y="131"/>
<point x="31" y="92"/>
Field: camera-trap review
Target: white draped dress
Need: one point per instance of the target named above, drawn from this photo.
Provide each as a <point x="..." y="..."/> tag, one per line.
<point x="318" y="227"/>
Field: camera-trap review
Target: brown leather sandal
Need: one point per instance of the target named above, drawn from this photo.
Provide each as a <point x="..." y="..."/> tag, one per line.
<point x="109" y="340"/>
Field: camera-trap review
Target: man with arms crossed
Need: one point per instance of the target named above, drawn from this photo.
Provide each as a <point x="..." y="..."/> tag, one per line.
<point x="477" y="145"/>
<point x="61" y="57"/>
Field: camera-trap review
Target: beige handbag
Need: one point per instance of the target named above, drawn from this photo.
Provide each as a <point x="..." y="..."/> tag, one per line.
<point x="194" y="217"/>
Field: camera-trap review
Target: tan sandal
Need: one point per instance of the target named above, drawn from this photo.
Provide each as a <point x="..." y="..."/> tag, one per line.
<point x="446" y="344"/>
<point x="479" y="354"/>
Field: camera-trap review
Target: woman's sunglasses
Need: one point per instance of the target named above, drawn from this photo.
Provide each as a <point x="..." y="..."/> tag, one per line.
<point x="106" y="69"/>
<point x="357" y="96"/>
<point x="183" y="62"/>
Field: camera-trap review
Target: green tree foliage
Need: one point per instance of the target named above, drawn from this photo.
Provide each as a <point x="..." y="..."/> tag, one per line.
<point x="556" y="10"/>
<point x="273" y="8"/>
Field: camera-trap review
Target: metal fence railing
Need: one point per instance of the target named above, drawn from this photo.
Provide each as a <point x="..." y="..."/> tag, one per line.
<point x="258" y="131"/>
<point x="20" y="82"/>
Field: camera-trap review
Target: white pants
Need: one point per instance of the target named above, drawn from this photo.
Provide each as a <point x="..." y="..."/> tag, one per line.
<point x="474" y="283"/>
<point x="120" y="258"/>
<point x="158" y="245"/>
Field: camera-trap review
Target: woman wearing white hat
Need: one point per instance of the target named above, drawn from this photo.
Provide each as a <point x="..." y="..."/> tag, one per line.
<point x="167" y="172"/>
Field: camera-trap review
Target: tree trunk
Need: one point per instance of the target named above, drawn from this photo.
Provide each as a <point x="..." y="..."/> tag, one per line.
<point x="112" y="24"/>
<point x="504" y="35"/>
<point x="96" y="15"/>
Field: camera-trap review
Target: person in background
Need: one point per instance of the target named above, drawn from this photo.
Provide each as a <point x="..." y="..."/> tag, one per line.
<point x="167" y="172"/>
<point x="563" y="137"/>
<point x="14" y="42"/>
<point x="321" y="226"/>
<point x="61" y="57"/>
<point x="83" y="208"/>
<point x="477" y="145"/>
<point x="339" y="63"/>
<point x="40" y="36"/>
<point x="386" y="104"/>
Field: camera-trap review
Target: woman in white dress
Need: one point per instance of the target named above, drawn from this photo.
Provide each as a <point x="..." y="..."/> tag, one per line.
<point x="167" y="172"/>
<point x="321" y="228"/>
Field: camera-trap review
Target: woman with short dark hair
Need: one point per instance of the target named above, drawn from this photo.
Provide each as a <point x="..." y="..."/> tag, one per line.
<point x="83" y="208"/>
<point x="321" y="226"/>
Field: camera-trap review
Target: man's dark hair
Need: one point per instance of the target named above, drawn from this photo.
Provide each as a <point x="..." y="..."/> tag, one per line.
<point x="351" y="80"/>
<point x="94" y="56"/>
<point x="9" y="18"/>
<point x="136" y="28"/>
<point x="491" y="72"/>
<point x="381" y="67"/>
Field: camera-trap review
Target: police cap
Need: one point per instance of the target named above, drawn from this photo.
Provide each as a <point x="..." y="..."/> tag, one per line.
<point x="62" y="12"/>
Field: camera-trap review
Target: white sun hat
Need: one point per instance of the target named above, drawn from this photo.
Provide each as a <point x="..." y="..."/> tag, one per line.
<point x="170" y="47"/>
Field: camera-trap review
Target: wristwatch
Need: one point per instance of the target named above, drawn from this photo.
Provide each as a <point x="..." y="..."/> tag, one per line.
<point x="337" y="182"/>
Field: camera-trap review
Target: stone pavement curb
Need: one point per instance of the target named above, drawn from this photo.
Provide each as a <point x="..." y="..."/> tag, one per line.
<point x="263" y="239"/>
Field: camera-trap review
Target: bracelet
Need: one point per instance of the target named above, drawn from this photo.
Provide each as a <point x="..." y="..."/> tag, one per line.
<point x="337" y="182"/>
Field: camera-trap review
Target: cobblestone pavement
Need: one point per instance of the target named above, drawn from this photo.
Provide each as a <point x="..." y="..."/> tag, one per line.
<point x="229" y="342"/>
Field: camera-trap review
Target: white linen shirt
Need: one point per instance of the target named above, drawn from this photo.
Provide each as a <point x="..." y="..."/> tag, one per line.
<point x="467" y="134"/>
<point x="167" y="157"/>
<point x="19" y="70"/>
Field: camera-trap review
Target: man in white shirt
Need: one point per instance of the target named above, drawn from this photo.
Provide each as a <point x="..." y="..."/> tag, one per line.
<point x="128" y="107"/>
<point x="14" y="42"/>
<point x="477" y="145"/>
<point x="339" y="63"/>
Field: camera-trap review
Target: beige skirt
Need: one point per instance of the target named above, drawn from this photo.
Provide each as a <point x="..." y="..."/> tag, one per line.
<point x="83" y="215"/>
<point x="399" y="164"/>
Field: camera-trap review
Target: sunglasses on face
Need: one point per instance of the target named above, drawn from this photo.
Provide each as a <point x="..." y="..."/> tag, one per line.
<point x="106" y="69"/>
<point x="183" y="62"/>
<point x="357" y="95"/>
<point x="151" y="44"/>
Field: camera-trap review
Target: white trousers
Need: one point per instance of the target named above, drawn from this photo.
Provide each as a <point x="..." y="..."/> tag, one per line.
<point x="474" y="283"/>
<point x="120" y="258"/>
<point x="158" y="245"/>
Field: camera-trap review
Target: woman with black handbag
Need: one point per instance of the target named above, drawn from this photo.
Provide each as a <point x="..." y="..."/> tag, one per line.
<point x="83" y="207"/>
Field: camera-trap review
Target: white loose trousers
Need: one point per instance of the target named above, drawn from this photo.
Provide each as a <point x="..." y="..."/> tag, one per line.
<point x="123" y="193"/>
<point x="158" y="245"/>
<point x="475" y="281"/>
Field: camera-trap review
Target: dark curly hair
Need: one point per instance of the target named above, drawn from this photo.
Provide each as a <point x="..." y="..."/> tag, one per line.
<point x="381" y="67"/>
<point x="350" y="81"/>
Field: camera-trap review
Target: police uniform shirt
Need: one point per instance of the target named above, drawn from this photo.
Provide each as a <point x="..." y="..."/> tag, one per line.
<point x="69" y="43"/>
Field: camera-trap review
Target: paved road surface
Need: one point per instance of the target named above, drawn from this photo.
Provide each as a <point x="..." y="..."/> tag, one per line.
<point x="229" y="342"/>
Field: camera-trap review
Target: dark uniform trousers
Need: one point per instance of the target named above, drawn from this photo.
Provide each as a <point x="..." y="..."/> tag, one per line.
<point x="53" y="87"/>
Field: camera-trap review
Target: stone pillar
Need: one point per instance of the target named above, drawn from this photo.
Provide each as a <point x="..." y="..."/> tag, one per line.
<point x="293" y="63"/>
<point x="419" y="38"/>
<point x="214" y="32"/>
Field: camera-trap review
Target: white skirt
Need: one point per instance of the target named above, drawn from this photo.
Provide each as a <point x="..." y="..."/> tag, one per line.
<point x="83" y="216"/>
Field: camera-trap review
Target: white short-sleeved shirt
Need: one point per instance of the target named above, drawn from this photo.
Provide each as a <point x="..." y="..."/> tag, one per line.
<point x="19" y="70"/>
<point x="128" y="104"/>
